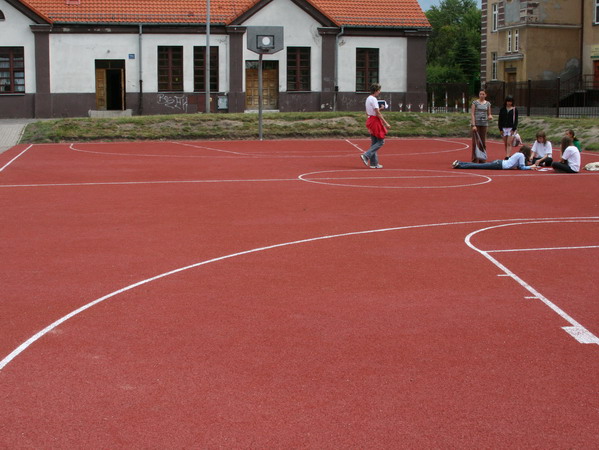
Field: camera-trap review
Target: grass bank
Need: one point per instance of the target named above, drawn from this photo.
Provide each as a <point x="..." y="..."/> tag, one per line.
<point x="289" y="125"/>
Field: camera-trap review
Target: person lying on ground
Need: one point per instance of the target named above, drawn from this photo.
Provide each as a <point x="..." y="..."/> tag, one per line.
<point x="516" y="161"/>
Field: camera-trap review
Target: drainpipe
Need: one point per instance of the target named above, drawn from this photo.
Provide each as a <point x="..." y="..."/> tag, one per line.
<point x="336" y="87"/>
<point x="207" y="58"/>
<point x="582" y="26"/>
<point x="140" y="107"/>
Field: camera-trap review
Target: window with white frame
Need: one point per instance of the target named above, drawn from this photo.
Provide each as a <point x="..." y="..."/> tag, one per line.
<point x="516" y="40"/>
<point x="509" y="42"/>
<point x="493" y="65"/>
<point x="597" y="11"/>
<point x="495" y="16"/>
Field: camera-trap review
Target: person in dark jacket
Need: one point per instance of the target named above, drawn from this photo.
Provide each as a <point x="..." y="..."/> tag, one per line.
<point x="508" y="123"/>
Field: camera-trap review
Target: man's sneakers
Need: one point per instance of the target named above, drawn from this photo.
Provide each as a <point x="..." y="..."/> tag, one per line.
<point x="378" y="166"/>
<point x="455" y="164"/>
<point x="364" y="159"/>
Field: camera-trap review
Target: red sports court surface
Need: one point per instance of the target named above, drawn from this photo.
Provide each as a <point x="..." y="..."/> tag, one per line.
<point x="279" y="294"/>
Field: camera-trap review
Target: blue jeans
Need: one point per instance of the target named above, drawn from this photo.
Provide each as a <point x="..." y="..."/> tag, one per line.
<point x="494" y="165"/>
<point x="371" y="154"/>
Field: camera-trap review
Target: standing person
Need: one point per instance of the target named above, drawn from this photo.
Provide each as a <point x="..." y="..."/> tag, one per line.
<point x="542" y="151"/>
<point x="377" y="127"/>
<point x="570" y="162"/>
<point x="575" y="141"/>
<point x="480" y="114"/>
<point x="516" y="161"/>
<point x="508" y="123"/>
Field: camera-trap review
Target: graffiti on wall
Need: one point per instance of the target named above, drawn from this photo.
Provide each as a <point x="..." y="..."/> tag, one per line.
<point x="173" y="101"/>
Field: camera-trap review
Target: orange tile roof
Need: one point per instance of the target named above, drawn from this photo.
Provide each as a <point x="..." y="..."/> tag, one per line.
<point x="139" y="11"/>
<point x="383" y="13"/>
<point x="379" y="13"/>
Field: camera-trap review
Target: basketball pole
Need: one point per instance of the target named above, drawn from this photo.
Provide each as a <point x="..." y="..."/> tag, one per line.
<point x="260" y="96"/>
<point x="207" y="57"/>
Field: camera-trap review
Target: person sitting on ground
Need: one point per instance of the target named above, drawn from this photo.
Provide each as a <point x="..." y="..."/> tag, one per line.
<point x="575" y="141"/>
<point x="570" y="162"/>
<point x="516" y="161"/>
<point x="542" y="151"/>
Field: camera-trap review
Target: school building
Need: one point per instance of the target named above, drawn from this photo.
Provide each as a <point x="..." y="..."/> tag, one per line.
<point x="74" y="58"/>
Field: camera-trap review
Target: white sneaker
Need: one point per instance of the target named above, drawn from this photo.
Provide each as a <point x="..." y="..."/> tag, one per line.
<point x="364" y="160"/>
<point x="378" y="166"/>
<point x="455" y="164"/>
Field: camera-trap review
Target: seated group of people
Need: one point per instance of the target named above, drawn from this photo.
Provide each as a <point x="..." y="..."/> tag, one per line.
<point x="540" y="155"/>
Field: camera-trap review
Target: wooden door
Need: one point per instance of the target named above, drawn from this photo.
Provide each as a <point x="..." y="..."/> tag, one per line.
<point x="596" y="75"/>
<point x="101" y="89"/>
<point x="270" y="88"/>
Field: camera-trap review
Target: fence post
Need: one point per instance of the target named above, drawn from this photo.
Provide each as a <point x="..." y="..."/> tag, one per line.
<point x="528" y="94"/>
<point x="559" y="94"/>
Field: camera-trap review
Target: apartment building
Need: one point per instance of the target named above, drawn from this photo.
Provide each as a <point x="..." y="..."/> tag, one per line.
<point x="540" y="40"/>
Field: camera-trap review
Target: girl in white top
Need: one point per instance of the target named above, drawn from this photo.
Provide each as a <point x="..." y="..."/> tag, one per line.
<point x="570" y="162"/>
<point x="542" y="151"/>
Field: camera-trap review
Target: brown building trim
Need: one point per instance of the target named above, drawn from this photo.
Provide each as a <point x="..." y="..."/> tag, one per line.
<point x="236" y="69"/>
<point x="416" y="73"/>
<point x="43" y="102"/>
<point x="329" y="44"/>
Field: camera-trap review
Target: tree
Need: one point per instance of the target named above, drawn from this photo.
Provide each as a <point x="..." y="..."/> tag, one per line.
<point x="453" y="47"/>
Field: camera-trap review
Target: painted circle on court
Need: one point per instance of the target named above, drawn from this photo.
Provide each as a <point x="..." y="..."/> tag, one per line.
<point x="395" y="178"/>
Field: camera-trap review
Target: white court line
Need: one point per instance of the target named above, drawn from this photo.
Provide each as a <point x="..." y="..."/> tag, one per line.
<point x="25" y="345"/>
<point x="266" y="180"/>
<point x="541" y="249"/>
<point x="399" y="177"/>
<point x="576" y="330"/>
<point x="209" y="148"/>
<point x="12" y="160"/>
<point x="127" y="183"/>
<point x="463" y="147"/>
<point x="273" y="155"/>
<point x="306" y="177"/>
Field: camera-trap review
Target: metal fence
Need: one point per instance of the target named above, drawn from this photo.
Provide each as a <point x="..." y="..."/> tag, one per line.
<point x="448" y="97"/>
<point x="574" y="97"/>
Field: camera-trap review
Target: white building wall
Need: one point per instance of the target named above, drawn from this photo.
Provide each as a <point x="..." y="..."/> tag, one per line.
<point x="73" y="59"/>
<point x="392" y="62"/>
<point x="15" y="32"/>
<point x="300" y="30"/>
